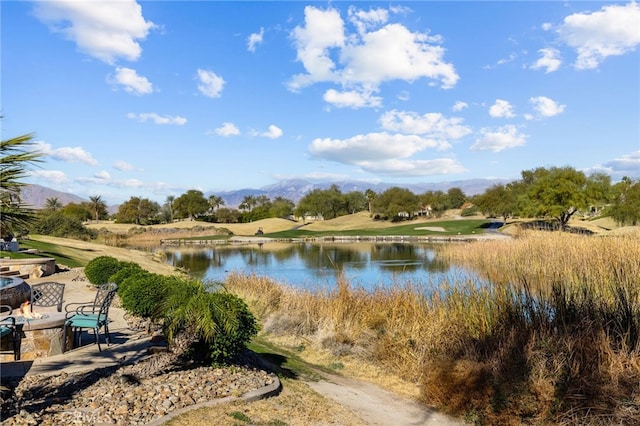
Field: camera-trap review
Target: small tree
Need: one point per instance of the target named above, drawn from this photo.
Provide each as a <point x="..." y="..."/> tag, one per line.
<point x="499" y="200"/>
<point x="191" y="204"/>
<point x="98" y="207"/>
<point x="397" y="204"/>
<point x="140" y="211"/>
<point x="559" y="193"/>
<point x="625" y="209"/>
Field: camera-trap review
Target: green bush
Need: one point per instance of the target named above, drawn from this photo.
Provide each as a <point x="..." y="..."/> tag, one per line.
<point x="100" y="269"/>
<point x="216" y="324"/>
<point x="242" y="327"/>
<point x="144" y="295"/>
<point x="127" y="269"/>
<point x="470" y="211"/>
<point x="56" y="224"/>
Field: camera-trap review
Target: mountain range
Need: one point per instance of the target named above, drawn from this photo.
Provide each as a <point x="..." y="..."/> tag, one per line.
<point x="294" y="189"/>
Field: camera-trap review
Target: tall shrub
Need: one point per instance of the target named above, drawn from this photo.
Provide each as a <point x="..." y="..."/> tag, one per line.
<point x="100" y="269"/>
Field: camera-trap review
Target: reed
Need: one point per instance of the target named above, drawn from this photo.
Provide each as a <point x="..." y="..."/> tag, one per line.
<point x="550" y="334"/>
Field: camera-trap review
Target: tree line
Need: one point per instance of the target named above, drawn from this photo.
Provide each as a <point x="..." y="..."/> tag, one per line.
<point x="556" y="193"/>
<point x="553" y="193"/>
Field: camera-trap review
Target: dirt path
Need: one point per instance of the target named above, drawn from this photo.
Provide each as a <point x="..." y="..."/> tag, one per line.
<point x="377" y="406"/>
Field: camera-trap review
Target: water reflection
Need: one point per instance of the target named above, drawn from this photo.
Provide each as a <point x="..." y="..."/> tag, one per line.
<point x="313" y="265"/>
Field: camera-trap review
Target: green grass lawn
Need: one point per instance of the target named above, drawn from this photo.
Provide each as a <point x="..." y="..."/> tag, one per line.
<point x="44" y="250"/>
<point x="451" y="227"/>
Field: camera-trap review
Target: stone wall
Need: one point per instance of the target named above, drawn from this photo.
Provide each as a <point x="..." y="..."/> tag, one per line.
<point x="34" y="268"/>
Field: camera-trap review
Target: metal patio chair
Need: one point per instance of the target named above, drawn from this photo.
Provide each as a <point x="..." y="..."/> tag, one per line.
<point x="95" y="316"/>
<point x="10" y="332"/>
<point x="47" y="294"/>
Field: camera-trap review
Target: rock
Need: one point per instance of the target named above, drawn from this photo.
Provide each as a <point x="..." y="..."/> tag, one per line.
<point x="133" y="394"/>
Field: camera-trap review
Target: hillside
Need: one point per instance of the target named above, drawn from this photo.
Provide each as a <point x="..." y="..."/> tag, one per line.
<point x="36" y="196"/>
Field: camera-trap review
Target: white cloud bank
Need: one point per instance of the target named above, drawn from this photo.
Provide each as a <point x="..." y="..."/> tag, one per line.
<point x="392" y="152"/>
<point x="377" y="51"/>
<point x="499" y="139"/>
<point x="627" y="165"/>
<point x="67" y="154"/>
<point x="611" y="31"/>
<point x="106" y="30"/>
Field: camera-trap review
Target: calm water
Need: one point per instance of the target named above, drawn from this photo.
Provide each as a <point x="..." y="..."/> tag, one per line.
<point x="311" y="265"/>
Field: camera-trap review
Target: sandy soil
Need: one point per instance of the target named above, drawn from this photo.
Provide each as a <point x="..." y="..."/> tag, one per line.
<point x="432" y="228"/>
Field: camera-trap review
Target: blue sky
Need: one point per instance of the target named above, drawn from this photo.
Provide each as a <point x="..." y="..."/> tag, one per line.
<point x="151" y="99"/>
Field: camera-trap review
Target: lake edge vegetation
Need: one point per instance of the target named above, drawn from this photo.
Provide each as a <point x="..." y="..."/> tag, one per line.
<point x="554" y="339"/>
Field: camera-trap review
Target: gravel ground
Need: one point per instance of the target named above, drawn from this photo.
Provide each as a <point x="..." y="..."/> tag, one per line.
<point x="130" y="394"/>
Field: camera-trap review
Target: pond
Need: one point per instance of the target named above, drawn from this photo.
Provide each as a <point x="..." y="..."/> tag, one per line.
<point x="315" y="265"/>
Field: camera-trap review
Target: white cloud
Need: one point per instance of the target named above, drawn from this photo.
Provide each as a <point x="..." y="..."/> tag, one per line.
<point x="255" y="39"/>
<point x="368" y="57"/>
<point x="395" y="167"/>
<point x="53" y="176"/>
<point x="434" y="125"/>
<point x="274" y="132"/>
<point x="123" y="166"/>
<point x="385" y="153"/>
<point x="364" y="20"/>
<point x="157" y="119"/>
<point x="323" y="30"/>
<point x="227" y="129"/>
<point x="611" y="31"/>
<point x="459" y="106"/>
<point x="102" y="175"/>
<point x="132" y="82"/>
<point x="501" y="109"/>
<point x="314" y="176"/>
<point x="106" y="30"/>
<point x="351" y="99"/>
<point x="627" y="165"/>
<point x="546" y="107"/>
<point x="503" y="138"/>
<point x="370" y="147"/>
<point x="211" y="84"/>
<point x="549" y="60"/>
<point x="66" y="154"/>
<point x="131" y="183"/>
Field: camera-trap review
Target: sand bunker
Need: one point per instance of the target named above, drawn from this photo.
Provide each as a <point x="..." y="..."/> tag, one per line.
<point x="432" y="228"/>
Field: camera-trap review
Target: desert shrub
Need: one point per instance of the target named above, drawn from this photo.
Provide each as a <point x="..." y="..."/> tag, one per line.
<point x="211" y="326"/>
<point x="101" y="268"/>
<point x="469" y="211"/>
<point x="56" y="224"/>
<point x="144" y="294"/>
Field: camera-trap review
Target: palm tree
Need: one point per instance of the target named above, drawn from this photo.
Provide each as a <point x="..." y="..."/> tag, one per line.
<point x="248" y="203"/>
<point x="53" y="204"/>
<point x="215" y="202"/>
<point x="15" y="159"/>
<point x="169" y="205"/>
<point x="97" y="206"/>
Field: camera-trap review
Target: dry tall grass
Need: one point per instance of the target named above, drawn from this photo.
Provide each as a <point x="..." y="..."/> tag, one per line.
<point x="554" y="339"/>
